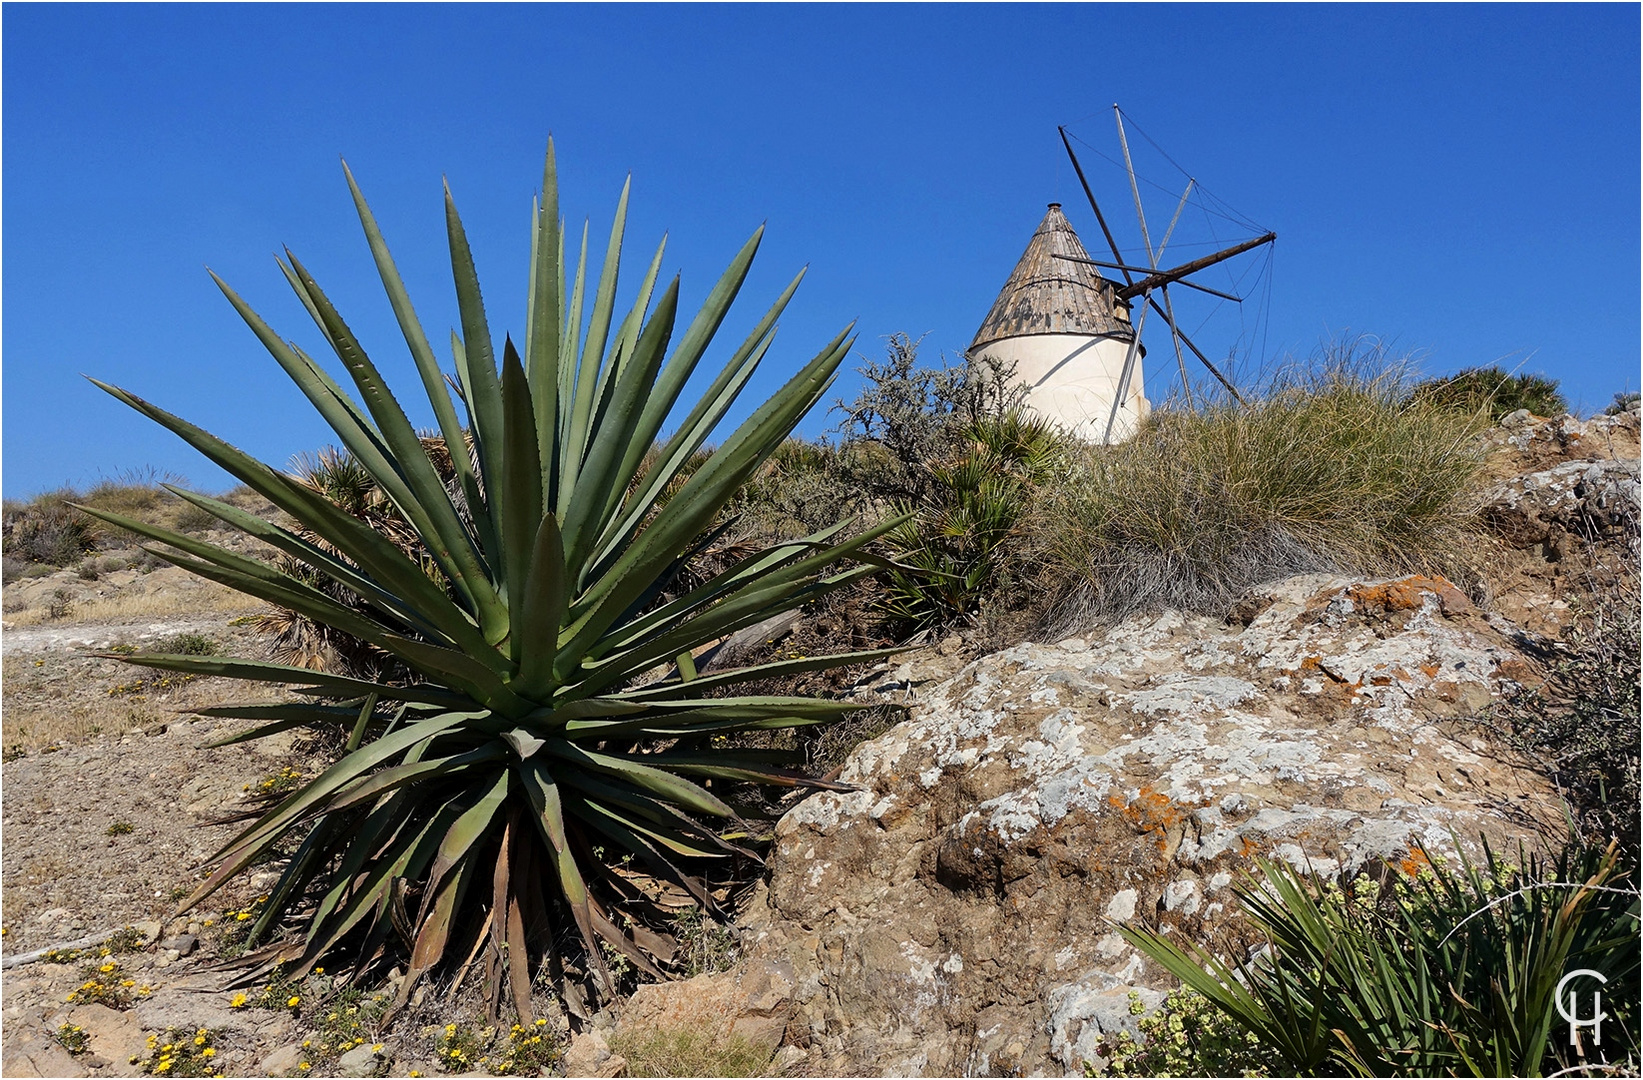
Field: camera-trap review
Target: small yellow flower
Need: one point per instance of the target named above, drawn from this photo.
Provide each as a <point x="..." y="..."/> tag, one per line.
<point x="304" y="1066"/>
<point x="319" y="971"/>
<point x="413" y="1072"/>
<point x="296" y="999"/>
<point x="377" y="1049"/>
<point x="541" y="1023"/>
<point x="210" y="1051"/>
<point x="128" y="982"/>
<point x="242" y="916"/>
<point x="199" y="1040"/>
<point x="238" y="1001"/>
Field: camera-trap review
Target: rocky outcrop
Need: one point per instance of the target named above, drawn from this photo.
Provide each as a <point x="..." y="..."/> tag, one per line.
<point x="1564" y="509"/>
<point x="1581" y="482"/>
<point x="954" y="914"/>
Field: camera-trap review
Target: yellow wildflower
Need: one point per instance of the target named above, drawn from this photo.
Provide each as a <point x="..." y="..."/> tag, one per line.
<point x="296" y="999"/>
<point x="377" y="1049"/>
<point x="210" y="1051"/>
<point x="238" y="1001"/>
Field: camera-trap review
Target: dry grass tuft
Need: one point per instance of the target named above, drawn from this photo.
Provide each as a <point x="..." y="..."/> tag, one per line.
<point x="207" y="597"/>
<point x="1333" y="470"/>
<point x="689" y="1052"/>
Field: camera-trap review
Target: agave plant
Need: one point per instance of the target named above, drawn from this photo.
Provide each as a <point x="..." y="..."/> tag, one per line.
<point x="538" y="765"/>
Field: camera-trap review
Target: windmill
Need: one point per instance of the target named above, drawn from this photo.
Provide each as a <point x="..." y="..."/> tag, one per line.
<point x="1073" y="335"/>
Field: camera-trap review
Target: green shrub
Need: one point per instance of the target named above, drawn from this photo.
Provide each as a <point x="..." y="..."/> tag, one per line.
<point x="915" y="413"/>
<point x="1336" y="470"/>
<point x="1493" y="391"/>
<point x="187" y="644"/>
<point x="1185" y="1036"/>
<point x="1622" y="403"/>
<point x="972" y="507"/>
<point x="1451" y="971"/>
<point x="49" y="532"/>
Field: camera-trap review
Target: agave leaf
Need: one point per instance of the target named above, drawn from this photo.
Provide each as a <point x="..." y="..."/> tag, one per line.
<point x="428" y="507"/>
<point x="543" y="326"/>
<point x="704" y="417"/>
<point x="672" y="378"/>
<point x="542" y="612"/>
<point x="375" y="554"/>
<point x="586" y="380"/>
<point x="408" y="857"/>
<point x="702" y="496"/>
<point x="570" y="364"/>
<point x="467" y="831"/>
<point x="317" y="558"/>
<point x="622" y="351"/>
<point x="674" y="788"/>
<point x="520" y="505"/>
<point x="549" y="816"/>
<point x="599" y="480"/>
<point x="411" y="327"/>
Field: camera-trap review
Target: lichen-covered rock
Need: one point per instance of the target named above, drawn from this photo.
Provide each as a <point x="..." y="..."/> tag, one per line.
<point x="954" y="914"/>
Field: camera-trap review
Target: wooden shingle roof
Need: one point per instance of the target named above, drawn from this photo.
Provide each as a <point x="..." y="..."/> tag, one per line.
<point x="1046" y="295"/>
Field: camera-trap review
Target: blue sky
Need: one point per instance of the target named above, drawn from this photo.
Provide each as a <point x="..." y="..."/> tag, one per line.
<point x="1460" y="180"/>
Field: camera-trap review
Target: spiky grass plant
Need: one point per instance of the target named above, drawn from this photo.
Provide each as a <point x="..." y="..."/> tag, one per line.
<point x="1452" y="972"/>
<point x="539" y="769"/>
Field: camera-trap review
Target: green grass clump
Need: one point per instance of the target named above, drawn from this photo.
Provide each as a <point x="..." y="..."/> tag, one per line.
<point x="1331" y="471"/>
<point x="688" y="1052"/>
<point x="1493" y="391"/>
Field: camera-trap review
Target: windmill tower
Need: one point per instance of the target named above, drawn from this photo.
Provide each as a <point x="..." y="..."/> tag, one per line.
<point x="1065" y="333"/>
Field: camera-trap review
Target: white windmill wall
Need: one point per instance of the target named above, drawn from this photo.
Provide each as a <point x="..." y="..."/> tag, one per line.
<point x="1072" y="380"/>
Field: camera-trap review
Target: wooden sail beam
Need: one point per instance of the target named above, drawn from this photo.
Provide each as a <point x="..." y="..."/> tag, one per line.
<point x="1090" y="195"/>
<point x="1144" y="270"/>
<point x="1169" y="277"/>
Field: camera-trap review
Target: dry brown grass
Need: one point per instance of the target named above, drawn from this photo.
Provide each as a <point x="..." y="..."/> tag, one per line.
<point x="689" y="1052"/>
<point x="207" y="598"/>
<point x="1332" y="471"/>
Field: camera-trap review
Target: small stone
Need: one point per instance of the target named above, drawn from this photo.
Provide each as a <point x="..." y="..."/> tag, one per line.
<point x="282" y="1062"/>
<point x="586" y="1053"/>
<point x="155" y="729"/>
<point x="149" y="928"/>
<point x="180" y="946"/>
<point x="360" y="1061"/>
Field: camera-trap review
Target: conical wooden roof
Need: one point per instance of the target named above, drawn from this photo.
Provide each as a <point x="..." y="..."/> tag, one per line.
<point x="1047" y="295"/>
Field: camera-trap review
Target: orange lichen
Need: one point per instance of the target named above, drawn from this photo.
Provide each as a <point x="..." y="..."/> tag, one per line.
<point x="1414" y="862"/>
